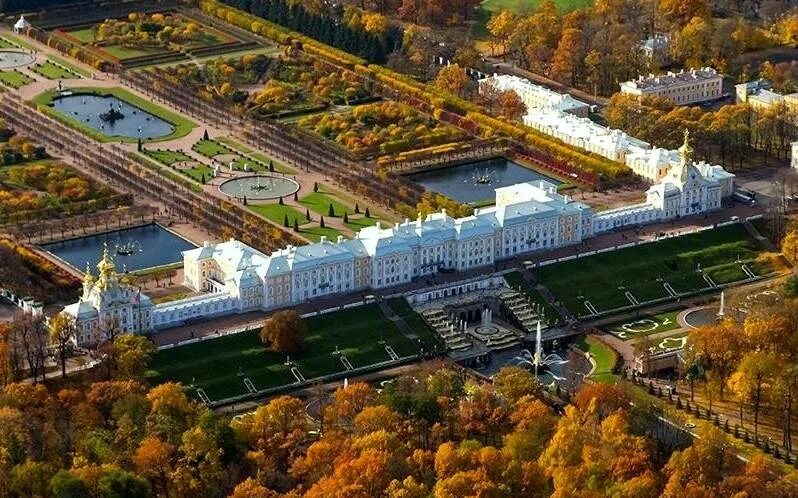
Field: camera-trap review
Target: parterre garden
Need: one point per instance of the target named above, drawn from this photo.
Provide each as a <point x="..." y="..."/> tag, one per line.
<point x="688" y="264"/>
<point x="142" y="39"/>
<point x="644" y="325"/>
<point x="15" y="78"/>
<point x="381" y="128"/>
<point x="219" y="366"/>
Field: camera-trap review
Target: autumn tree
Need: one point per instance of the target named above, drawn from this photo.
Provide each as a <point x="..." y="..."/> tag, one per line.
<point x="453" y="79"/>
<point x="511" y="106"/>
<point x="284" y="332"/>
<point x="500" y="26"/>
<point x="133" y="353"/>
<point x="513" y="383"/>
<point x="752" y="380"/>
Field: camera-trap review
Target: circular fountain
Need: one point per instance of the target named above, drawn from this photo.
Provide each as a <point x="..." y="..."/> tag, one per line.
<point x="10" y="59"/>
<point x="540" y="361"/>
<point x="259" y="187"/>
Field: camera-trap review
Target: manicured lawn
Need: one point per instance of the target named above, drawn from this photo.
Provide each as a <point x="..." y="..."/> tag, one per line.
<point x="198" y="173"/>
<point x="122" y="53"/>
<point x="277" y="213"/>
<point x="53" y="71"/>
<point x="15" y="79"/>
<point x="643" y="325"/>
<point x="603" y="279"/>
<point x="528" y="6"/>
<point x="675" y="341"/>
<point x="315" y="233"/>
<point x="219" y="365"/>
<point x="428" y="336"/>
<point x="86" y="35"/>
<point x="168" y="157"/>
<point x="17" y="42"/>
<point x="603" y="355"/>
<point x="358" y="222"/>
<point x="210" y="148"/>
<point x="319" y="202"/>
<point x="279" y="166"/>
<point x="182" y="126"/>
<point x="69" y="66"/>
<point x="517" y="282"/>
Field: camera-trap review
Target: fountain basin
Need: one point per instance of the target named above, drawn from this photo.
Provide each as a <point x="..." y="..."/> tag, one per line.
<point x="259" y="187"/>
<point x="475" y="182"/>
<point x="142" y="247"/>
<point x="10" y="59"/>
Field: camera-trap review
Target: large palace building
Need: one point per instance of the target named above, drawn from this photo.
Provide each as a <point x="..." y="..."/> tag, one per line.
<point x="233" y="277"/>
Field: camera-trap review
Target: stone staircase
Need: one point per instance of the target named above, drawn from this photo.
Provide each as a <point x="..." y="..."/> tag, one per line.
<point x="521" y="309"/>
<point x="441" y="323"/>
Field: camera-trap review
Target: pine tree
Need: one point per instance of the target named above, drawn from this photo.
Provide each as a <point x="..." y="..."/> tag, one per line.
<point x="296" y="225"/>
<point x="321" y="222"/>
<point x="315" y="186"/>
<point x="281" y="201"/>
<point x="245" y="200"/>
<point x="357" y="208"/>
<point x="368" y="214"/>
<point x="346" y="217"/>
<point x="296" y="197"/>
<point x="271" y="166"/>
<point x="331" y="211"/>
<point x="307" y="214"/>
<point x="205" y="135"/>
<point x="203" y="179"/>
<point x="285" y="220"/>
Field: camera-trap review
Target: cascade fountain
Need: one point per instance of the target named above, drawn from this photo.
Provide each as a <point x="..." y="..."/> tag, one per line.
<point x="721" y="310"/>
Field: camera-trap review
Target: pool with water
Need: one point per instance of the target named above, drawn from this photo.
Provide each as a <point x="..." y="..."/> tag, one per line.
<point x="133" y="249"/>
<point x="135" y="123"/>
<point x="460" y="182"/>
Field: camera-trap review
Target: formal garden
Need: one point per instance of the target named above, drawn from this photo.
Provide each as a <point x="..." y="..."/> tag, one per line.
<point x="644" y="325"/>
<point x="661" y="270"/>
<point x="269" y="87"/>
<point x="381" y="128"/>
<point x="54" y="69"/>
<point x="113" y="114"/>
<point x="140" y="39"/>
<point x="40" y="189"/>
<point x="14" y="78"/>
<point x="333" y="343"/>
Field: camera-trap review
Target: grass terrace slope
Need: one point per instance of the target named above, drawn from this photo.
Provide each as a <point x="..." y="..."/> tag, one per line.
<point x="602" y="282"/>
<point x="219" y="366"/>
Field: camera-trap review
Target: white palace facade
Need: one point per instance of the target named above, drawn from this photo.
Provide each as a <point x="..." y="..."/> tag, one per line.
<point x="232" y="277"/>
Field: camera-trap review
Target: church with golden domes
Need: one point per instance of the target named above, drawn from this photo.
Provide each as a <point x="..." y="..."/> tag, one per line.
<point x="108" y="306"/>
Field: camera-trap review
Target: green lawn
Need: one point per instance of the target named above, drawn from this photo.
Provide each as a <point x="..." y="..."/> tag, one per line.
<point x="210" y="148"/>
<point x="218" y="365"/>
<point x="15" y="79"/>
<point x="279" y="166"/>
<point x="316" y="232"/>
<point x="277" y="213"/>
<point x="319" y="202"/>
<point x="71" y="67"/>
<point x="603" y="279"/>
<point x="53" y="71"/>
<point x="123" y="53"/>
<point x="604" y="357"/>
<point x="17" y="42"/>
<point x="182" y="126"/>
<point x="516" y="281"/>
<point x="168" y="157"/>
<point x="428" y="336"/>
<point x="358" y="222"/>
<point x="675" y="341"/>
<point x="86" y="35"/>
<point x="632" y="328"/>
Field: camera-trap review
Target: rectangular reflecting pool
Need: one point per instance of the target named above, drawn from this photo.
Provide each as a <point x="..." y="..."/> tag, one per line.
<point x="133" y="249"/>
<point x="475" y="182"/>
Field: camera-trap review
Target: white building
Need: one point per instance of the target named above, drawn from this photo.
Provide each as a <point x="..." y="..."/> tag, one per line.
<point x="536" y="96"/>
<point x="527" y="217"/>
<point x="22" y="25"/>
<point x="683" y="88"/>
<point x="759" y="95"/>
<point x="108" y="305"/>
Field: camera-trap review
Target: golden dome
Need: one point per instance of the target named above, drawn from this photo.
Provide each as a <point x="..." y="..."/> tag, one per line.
<point x="106" y="265"/>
